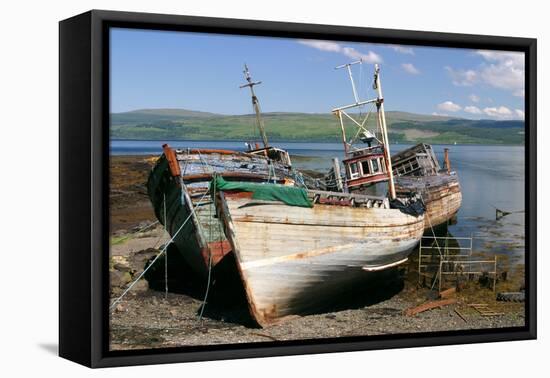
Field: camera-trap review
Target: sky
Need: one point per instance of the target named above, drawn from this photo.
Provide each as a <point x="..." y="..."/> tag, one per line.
<point x="197" y="71"/>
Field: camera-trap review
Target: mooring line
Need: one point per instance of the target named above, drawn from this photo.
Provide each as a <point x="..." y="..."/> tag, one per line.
<point x="112" y="306"/>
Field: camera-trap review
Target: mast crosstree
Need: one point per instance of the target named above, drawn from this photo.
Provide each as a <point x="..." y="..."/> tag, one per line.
<point x="255" y="104"/>
<point x="341" y="112"/>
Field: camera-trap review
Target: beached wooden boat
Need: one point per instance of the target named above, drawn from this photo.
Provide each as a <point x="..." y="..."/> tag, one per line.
<point x="178" y="190"/>
<point x="416" y="170"/>
<point x="295" y="249"/>
<point x="295" y="255"/>
<point x="412" y="172"/>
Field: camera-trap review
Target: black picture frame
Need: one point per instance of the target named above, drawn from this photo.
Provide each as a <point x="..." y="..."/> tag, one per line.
<point x="83" y="197"/>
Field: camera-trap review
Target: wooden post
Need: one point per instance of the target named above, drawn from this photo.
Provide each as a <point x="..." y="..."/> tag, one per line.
<point x="338" y="114"/>
<point x="440" y="272"/>
<point x="170" y="155"/>
<point x="337" y="175"/>
<point x="419" y="261"/>
<point x="447" y="162"/>
<point x="495" y="276"/>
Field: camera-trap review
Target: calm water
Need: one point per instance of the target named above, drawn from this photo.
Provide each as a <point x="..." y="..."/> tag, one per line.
<point x="490" y="176"/>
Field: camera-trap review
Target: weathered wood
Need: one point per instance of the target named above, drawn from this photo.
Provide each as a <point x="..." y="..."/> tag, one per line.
<point x="187" y="197"/>
<point x="292" y="259"/>
<point x="356" y="196"/>
<point x="447" y="293"/>
<point x="484" y="310"/>
<point x="460" y="315"/>
<point x="421" y="155"/>
<point x="441" y="195"/>
<point x="429" y="306"/>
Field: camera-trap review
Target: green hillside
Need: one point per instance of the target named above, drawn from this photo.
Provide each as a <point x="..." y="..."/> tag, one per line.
<point x="173" y="124"/>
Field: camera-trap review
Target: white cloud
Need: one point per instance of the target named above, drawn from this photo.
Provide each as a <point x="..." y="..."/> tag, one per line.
<point x="410" y="68"/>
<point x="472" y="110"/>
<point x="504" y="76"/>
<point x="474" y="98"/>
<point x="501" y="112"/>
<point x="519" y="93"/>
<point x="449" y="106"/>
<point x="507" y="57"/>
<point x="500" y="69"/>
<point x="350" y="52"/>
<point x="402" y="49"/>
<point x="520" y="113"/>
<point x="440" y="114"/>
<point x="370" y="57"/>
<point x="321" y="45"/>
<point x="462" y="78"/>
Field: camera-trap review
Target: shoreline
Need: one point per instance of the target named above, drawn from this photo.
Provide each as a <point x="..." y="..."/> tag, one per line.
<point x="320" y="141"/>
<point x="146" y="319"/>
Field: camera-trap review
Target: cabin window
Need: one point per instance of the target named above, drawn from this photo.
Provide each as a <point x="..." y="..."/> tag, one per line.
<point x="375" y="166"/>
<point x="353" y="170"/>
<point x="366" y="168"/>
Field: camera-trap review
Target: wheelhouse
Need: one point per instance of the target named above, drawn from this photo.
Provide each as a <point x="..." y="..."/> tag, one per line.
<point x="365" y="167"/>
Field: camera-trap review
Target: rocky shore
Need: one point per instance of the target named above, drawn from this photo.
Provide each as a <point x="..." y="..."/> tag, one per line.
<point x="148" y="317"/>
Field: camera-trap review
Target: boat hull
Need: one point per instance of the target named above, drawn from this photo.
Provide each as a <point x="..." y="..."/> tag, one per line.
<point x="441" y="195"/>
<point x="185" y="197"/>
<point x="292" y="260"/>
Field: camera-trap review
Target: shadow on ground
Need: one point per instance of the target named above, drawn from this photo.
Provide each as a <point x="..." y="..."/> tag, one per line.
<point x="226" y="296"/>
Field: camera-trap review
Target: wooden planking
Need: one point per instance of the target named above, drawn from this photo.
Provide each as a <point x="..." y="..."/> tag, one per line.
<point x="263" y="240"/>
<point x="440" y="211"/>
<point x="288" y="268"/>
<point x="277" y="212"/>
<point x="295" y="285"/>
<point x="441" y="194"/>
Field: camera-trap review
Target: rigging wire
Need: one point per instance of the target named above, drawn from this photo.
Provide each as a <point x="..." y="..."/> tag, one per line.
<point x="166" y="256"/>
<point x="162" y="252"/>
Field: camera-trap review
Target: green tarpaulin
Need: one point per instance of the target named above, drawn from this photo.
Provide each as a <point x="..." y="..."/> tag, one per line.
<point x="290" y="195"/>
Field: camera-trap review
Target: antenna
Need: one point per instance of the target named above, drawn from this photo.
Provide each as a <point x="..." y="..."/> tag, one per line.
<point x="255" y="103"/>
<point x="348" y="66"/>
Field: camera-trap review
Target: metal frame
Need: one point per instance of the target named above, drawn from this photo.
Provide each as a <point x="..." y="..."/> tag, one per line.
<point x="422" y="264"/>
<point x="84" y="171"/>
<point x="442" y="272"/>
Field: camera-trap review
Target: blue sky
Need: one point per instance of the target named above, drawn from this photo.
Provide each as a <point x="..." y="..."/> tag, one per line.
<point x="159" y="69"/>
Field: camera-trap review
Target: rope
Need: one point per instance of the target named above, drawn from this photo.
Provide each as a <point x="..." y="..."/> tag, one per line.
<point x="209" y="254"/>
<point x="165" y="257"/>
<point x="435" y="238"/>
<point x="128" y="236"/>
<point x="205" y="163"/>
<point x="156" y="258"/>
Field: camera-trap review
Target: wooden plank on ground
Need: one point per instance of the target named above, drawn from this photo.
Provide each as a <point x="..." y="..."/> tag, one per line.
<point x="429" y="306"/>
<point x="447" y="293"/>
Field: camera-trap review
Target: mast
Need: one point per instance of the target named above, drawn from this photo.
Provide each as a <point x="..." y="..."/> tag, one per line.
<point x="255" y="104"/>
<point x="382" y="118"/>
<point x="338" y="112"/>
<point x="348" y="66"/>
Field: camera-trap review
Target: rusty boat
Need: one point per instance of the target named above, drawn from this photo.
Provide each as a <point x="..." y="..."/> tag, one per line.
<point x="178" y="189"/>
<point x="414" y="172"/>
<point x="417" y="170"/>
<point x="297" y="248"/>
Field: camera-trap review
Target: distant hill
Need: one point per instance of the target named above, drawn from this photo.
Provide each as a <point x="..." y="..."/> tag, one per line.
<point x="156" y="115"/>
<point x="174" y="124"/>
